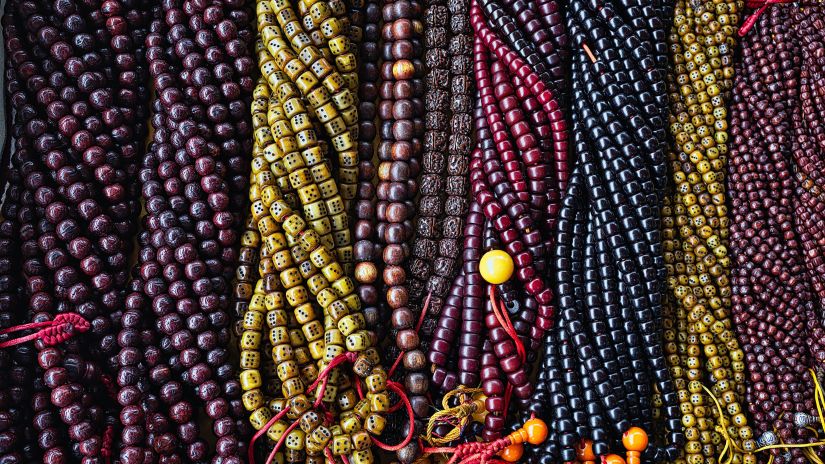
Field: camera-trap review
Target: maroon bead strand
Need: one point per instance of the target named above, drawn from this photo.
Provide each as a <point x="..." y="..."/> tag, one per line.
<point x="493" y="388"/>
<point x="773" y="304"/>
<point x="470" y="337"/>
<point x="442" y="343"/>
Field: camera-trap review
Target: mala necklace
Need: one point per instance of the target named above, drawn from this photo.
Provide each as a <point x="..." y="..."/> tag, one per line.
<point x="695" y="231"/>
<point x="505" y="142"/>
<point x="306" y="253"/>
<point x="608" y="252"/>
<point x="402" y="141"/>
<point x="193" y="180"/>
<point x="77" y="87"/>
<point x="776" y="313"/>
<point x="365" y="248"/>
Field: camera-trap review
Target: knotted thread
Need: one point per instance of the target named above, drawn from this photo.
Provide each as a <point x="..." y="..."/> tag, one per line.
<point x="323" y="379"/>
<point x="63" y="327"/>
<point x="457" y="416"/>
<point x="761" y="6"/>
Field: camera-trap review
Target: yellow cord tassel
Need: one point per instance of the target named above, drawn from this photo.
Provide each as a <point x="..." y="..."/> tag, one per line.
<point x="456" y="416"/>
<point x="730" y="444"/>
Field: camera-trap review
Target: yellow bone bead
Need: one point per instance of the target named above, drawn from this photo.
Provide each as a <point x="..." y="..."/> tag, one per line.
<point x="346" y="62"/>
<point x="350" y="114"/>
<point x="335" y="127"/>
<point x="290" y="278"/>
<point x="250" y="359"/>
<point x="310" y="420"/>
<point x="340" y="222"/>
<point x="297" y="296"/>
<point x="276" y="431"/>
<point x="252" y="399"/>
<point x="321" y="68"/>
<point x="361" y="441"/>
<point x="321" y="257"/>
<point x="343" y="99"/>
<point x="336" y="310"/>
<point x="319" y="97"/>
<point x="250" y="379"/>
<point x="278" y="335"/>
<point x="341" y="445"/>
<point x="296" y="337"/>
<point x="317" y="283"/>
<point x="372" y="356"/>
<point x="352" y="302"/>
<point x="253" y="320"/>
<point x="338" y="45"/>
<point x="328" y="188"/>
<point x="287" y="370"/>
<point x="294" y="225"/>
<point x="299" y="178"/>
<point x="333" y="336"/>
<point x="342" y="239"/>
<point x="305" y="313"/>
<point x="306" y="138"/>
<point x="358" y="341"/>
<point x="335" y="206"/>
<point x="309" y="240"/>
<point x="282" y="260"/>
<point x="320" y="173"/>
<point x="295" y="440"/>
<point x="351" y="323"/>
<point x="375" y="424"/>
<point x="292" y="387"/>
<point x="313" y="156"/>
<point x="333" y="273"/>
<point x="300" y="122"/>
<point x="274" y="301"/>
<point x="313" y="330"/>
<point x="250" y="340"/>
<point x="321" y="435"/>
<point x="379" y="402"/>
<point x="343" y="286"/>
<point x="376" y="382"/>
<point x="316" y="210"/>
<point x="327" y="111"/>
<point x="260" y="417"/>
<point x="333" y="351"/>
<point x="309" y="193"/>
<point x="317" y="349"/>
<point x="350" y="422"/>
<point x="281" y="353"/>
<point x="326" y="297"/>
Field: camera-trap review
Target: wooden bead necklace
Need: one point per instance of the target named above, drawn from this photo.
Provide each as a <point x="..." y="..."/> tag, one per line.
<point x="303" y="260"/>
<point x="695" y="231"/>
<point x="610" y="273"/>
<point x="775" y="307"/>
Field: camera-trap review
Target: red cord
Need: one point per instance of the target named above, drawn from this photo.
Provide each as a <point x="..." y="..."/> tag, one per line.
<point x="63" y="327"/>
<point x="271" y="456"/>
<point x="350" y="356"/>
<point x="504" y="319"/>
<point x="250" y="450"/>
<point x="762" y="5"/>
<point x="106" y="446"/>
<point x="396" y="387"/>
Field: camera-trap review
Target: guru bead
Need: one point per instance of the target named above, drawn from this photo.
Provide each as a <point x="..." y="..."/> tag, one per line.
<point x="496" y="266"/>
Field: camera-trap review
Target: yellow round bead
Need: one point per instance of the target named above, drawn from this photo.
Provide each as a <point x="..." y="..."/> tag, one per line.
<point x="496" y="267"/>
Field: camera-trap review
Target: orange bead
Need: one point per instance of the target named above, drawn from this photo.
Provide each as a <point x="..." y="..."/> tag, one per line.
<point x="613" y="459"/>
<point x="536" y="431"/>
<point x="584" y="452"/>
<point x="512" y="453"/>
<point x="635" y="439"/>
